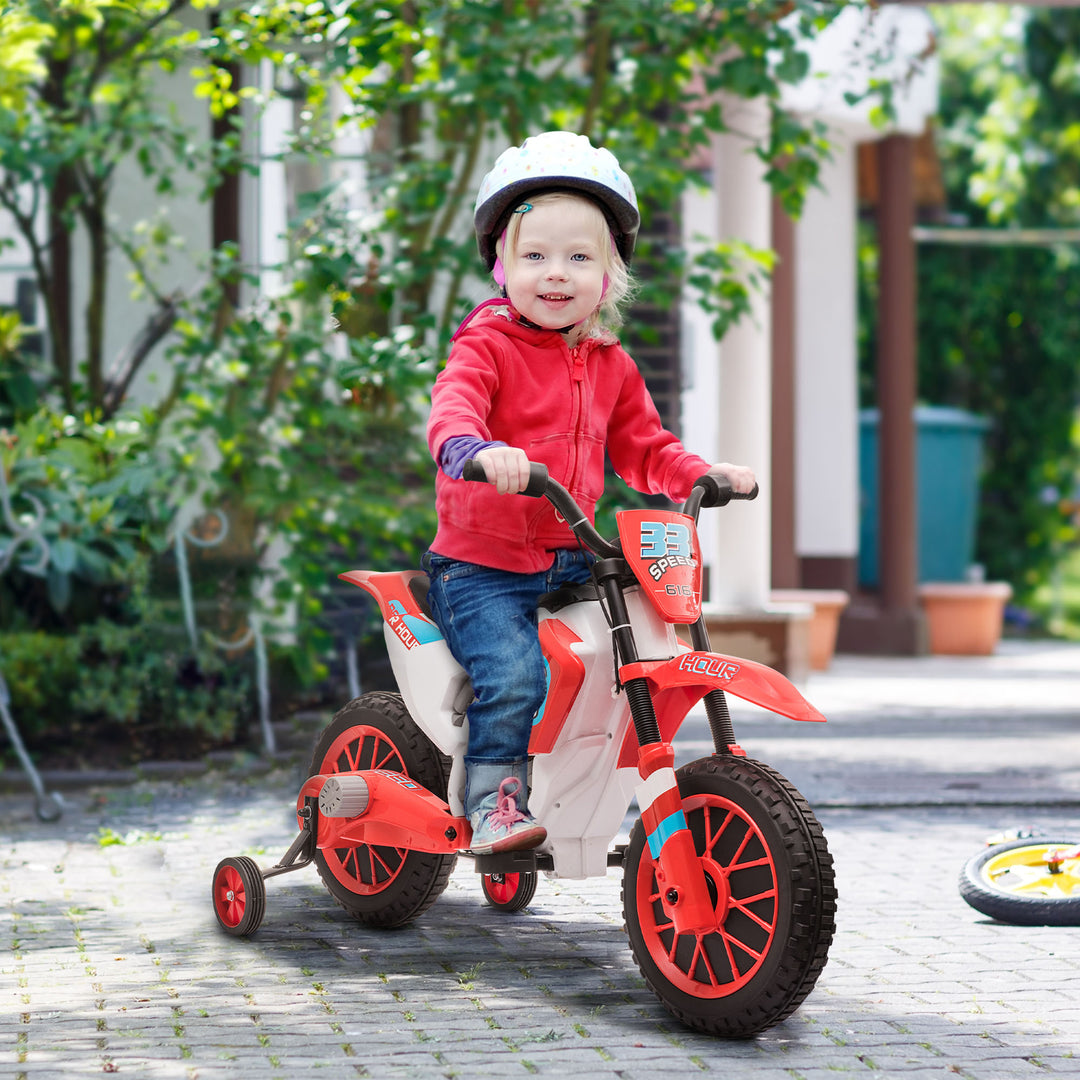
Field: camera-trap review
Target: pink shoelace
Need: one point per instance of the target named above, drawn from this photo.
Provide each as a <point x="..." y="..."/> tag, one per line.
<point x="506" y="812"/>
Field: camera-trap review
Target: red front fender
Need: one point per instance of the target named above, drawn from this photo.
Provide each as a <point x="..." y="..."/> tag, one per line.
<point x="678" y="684"/>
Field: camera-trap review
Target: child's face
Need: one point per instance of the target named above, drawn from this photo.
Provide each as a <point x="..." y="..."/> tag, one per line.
<point x="555" y="274"/>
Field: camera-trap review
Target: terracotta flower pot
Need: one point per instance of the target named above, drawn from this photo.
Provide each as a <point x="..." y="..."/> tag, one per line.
<point x="827" y="604"/>
<point x="964" y="618"/>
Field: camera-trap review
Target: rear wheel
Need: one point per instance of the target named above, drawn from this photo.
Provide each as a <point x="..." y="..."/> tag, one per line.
<point x="509" y="892"/>
<point x="770" y="876"/>
<point x="380" y="885"/>
<point x="1033" y="882"/>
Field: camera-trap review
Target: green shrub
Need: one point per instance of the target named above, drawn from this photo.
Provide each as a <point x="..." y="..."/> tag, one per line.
<point x="123" y="691"/>
<point x="997" y="335"/>
<point x="92" y="498"/>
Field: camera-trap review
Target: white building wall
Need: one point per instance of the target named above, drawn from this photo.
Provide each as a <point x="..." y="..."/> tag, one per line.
<point x="134" y="201"/>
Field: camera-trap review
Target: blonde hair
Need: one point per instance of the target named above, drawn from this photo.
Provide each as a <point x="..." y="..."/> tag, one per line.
<point x="620" y="284"/>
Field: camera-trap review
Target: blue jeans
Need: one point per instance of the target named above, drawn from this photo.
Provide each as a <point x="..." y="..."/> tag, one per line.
<point x="488" y="618"/>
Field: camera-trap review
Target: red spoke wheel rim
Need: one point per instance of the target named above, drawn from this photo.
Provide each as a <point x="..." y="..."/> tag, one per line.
<point x="742" y="879"/>
<point x="230" y="897"/>
<point x="366" y="869"/>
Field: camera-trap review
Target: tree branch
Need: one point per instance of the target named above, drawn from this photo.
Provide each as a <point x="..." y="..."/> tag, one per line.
<point x="601" y="62"/>
<point x="131" y="360"/>
<point x="107" y="57"/>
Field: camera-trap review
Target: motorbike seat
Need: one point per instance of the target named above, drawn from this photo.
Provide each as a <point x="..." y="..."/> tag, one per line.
<point x="418" y="586"/>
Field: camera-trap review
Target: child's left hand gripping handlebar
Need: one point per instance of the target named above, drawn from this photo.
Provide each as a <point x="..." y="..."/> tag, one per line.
<point x="535" y="489"/>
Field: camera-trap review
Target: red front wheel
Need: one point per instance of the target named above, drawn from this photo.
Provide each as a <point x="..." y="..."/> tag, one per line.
<point x="770" y="877"/>
<point x="239" y="896"/>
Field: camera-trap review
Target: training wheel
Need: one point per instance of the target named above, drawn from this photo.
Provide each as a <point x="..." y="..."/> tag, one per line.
<point x="509" y="892"/>
<point x="239" y="895"/>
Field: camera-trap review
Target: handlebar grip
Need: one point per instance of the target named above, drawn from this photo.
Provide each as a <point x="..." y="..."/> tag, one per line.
<point x="717" y="491"/>
<point x="473" y="470"/>
<point x="538" y="477"/>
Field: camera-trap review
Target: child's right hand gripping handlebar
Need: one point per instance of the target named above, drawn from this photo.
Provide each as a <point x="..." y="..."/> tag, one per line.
<point x="538" y="477"/>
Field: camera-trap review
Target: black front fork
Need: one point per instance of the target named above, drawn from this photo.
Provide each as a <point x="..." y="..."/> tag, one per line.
<point x="716" y="707"/>
<point x="608" y="573"/>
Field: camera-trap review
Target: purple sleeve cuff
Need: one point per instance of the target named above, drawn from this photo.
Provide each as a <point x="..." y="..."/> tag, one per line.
<point x="457" y="450"/>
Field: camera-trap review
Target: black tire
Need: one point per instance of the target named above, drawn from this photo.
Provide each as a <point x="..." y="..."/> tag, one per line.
<point x="775" y="936"/>
<point x="377" y="885"/>
<point x="1013" y="883"/>
<point x="238" y="893"/>
<point x="510" y="891"/>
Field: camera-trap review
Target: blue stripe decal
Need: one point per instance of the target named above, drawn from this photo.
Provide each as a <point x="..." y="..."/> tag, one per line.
<point x="659" y="836"/>
<point x="543" y="707"/>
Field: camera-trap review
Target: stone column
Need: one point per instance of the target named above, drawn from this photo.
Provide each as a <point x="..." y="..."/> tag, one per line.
<point x="785" y="561"/>
<point x="741" y="563"/>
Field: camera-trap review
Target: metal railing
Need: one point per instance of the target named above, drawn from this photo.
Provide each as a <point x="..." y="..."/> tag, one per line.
<point x="27" y="542"/>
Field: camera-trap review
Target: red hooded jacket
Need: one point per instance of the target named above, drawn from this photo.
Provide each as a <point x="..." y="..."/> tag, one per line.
<point x="510" y="382"/>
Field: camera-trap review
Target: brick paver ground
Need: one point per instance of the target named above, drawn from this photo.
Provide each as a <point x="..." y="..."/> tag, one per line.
<point x="111" y="961"/>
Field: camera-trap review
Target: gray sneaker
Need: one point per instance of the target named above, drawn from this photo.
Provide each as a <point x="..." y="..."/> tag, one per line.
<point x="498" y="825"/>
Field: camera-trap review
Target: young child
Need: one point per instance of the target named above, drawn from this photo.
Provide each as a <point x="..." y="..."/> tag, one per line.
<point x="536" y="375"/>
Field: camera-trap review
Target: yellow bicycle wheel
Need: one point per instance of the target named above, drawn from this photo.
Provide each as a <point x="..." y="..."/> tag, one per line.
<point x="1032" y="882"/>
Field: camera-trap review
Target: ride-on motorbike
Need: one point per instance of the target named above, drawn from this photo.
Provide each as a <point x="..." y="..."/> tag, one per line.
<point x="728" y="890"/>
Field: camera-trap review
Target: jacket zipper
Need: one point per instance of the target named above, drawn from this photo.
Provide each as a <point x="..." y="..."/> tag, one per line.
<point x="577" y="382"/>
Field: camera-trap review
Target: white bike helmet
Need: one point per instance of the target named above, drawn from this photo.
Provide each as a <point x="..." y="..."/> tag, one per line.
<point x="555" y="160"/>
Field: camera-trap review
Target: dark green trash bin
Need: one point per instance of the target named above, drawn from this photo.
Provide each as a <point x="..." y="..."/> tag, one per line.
<point x="948" y="458"/>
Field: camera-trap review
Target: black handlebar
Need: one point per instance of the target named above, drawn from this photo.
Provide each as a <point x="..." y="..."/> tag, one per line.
<point x="708" y="490"/>
<point x="717" y="490"/>
<point x="536" y="487"/>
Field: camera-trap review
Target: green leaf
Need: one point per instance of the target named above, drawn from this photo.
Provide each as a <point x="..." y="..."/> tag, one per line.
<point x="64" y="556"/>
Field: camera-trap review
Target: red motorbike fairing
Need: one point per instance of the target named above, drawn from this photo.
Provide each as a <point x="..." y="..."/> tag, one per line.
<point x="566" y="673"/>
<point x="662" y="549"/>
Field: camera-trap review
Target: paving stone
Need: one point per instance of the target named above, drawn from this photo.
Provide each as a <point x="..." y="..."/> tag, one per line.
<point x="110" y="956"/>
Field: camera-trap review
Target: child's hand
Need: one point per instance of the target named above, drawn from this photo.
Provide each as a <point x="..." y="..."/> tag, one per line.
<point x="507" y="468"/>
<point x="740" y="477"/>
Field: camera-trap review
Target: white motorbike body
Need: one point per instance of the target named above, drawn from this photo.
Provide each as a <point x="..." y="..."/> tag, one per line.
<point x="576" y="788"/>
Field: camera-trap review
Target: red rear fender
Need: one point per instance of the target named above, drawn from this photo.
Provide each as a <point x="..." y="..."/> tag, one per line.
<point x="398" y="604"/>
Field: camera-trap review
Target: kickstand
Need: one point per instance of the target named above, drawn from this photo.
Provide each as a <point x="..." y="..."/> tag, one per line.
<point x="48" y="805"/>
